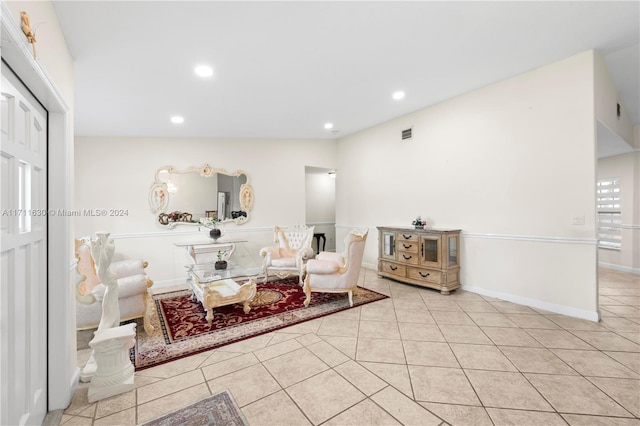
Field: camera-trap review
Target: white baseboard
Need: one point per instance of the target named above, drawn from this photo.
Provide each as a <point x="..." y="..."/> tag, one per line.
<point x="370" y="266"/>
<point x="166" y="284"/>
<point x="620" y="268"/>
<point x="75" y="380"/>
<point x="538" y="304"/>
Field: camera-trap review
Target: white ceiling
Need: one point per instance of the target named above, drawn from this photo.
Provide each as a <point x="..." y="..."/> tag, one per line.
<point x="283" y="69"/>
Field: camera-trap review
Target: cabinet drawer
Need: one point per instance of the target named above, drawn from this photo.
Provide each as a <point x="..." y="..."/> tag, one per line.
<point x="393" y="268"/>
<point x="406" y="257"/>
<point x="407" y="246"/>
<point x="406" y="237"/>
<point x="429" y="275"/>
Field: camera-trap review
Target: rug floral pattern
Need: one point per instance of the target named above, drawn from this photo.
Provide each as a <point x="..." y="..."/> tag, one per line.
<point x="217" y="409"/>
<point x="182" y="329"/>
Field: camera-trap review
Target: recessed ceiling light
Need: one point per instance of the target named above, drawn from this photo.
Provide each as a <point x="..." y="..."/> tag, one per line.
<point x="328" y="126"/>
<point x="398" y="95"/>
<point x="204" y="71"/>
<point x="176" y="119"/>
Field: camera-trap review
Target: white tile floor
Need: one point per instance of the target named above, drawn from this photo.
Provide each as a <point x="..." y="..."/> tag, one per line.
<point x="415" y="358"/>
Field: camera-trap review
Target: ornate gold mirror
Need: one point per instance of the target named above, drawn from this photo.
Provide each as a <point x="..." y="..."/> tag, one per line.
<point x="182" y="197"/>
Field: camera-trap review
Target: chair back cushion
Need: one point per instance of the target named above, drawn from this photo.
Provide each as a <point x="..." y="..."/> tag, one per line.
<point x="354" y="247"/>
<point x="291" y="239"/>
<point x="354" y="244"/>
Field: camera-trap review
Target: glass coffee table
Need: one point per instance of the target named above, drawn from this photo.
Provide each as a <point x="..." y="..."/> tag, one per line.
<point x="218" y="287"/>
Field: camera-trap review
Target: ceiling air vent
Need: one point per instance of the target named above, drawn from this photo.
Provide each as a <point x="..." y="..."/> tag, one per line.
<point x="407" y="134"/>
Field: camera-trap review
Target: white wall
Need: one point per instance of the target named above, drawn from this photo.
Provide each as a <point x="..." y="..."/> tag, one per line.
<point x="116" y="173"/>
<point x="606" y="100"/>
<point x="511" y="165"/>
<point x="627" y="168"/>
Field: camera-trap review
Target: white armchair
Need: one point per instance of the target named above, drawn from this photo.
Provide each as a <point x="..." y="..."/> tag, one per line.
<point x="133" y="283"/>
<point x="289" y="255"/>
<point x="336" y="272"/>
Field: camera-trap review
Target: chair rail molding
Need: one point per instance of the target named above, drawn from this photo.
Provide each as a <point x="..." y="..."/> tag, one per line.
<point x="561" y="240"/>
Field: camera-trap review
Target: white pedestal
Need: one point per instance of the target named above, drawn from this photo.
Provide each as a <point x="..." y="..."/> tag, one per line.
<point x="114" y="371"/>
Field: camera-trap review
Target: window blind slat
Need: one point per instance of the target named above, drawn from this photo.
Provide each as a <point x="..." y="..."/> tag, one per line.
<point x="608" y="198"/>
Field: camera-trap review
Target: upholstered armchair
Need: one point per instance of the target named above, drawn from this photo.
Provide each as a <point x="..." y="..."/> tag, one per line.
<point x="290" y="253"/>
<point x="133" y="283"/>
<point x="336" y="272"/>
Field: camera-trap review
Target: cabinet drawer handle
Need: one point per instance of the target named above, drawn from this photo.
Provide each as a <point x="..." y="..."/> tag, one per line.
<point x="407" y="237"/>
<point x="424" y="275"/>
<point x="393" y="268"/>
<point x="407" y="246"/>
<point x="406" y="257"/>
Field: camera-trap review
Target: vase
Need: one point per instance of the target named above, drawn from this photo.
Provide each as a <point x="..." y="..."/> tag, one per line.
<point x="419" y="226"/>
<point x="215" y="233"/>
<point x="220" y="264"/>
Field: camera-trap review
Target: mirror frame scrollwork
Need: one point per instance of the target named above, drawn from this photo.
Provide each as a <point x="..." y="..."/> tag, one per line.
<point x="159" y="193"/>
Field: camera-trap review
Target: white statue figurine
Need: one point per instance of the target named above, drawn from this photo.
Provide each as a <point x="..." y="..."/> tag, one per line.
<point x="111" y="371"/>
<point x="102" y="249"/>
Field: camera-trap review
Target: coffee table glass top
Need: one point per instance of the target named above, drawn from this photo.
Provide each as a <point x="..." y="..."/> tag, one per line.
<point x="206" y="273"/>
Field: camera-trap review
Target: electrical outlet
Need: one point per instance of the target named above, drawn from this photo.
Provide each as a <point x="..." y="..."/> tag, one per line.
<point x="578" y="220"/>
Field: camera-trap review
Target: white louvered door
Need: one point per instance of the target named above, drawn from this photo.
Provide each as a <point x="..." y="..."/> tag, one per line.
<point x="23" y="257"/>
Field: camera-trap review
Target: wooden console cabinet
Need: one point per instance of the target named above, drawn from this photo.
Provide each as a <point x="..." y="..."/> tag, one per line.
<point x="426" y="257"/>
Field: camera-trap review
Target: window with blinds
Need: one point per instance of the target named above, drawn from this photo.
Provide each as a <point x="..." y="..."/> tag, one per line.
<point x="609" y="213"/>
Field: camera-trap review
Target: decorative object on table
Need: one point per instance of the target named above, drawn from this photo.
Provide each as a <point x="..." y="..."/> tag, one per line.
<point x="289" y="255"/>
<point x="212" y="224"/>
<point x="175" y="217"/>
<point x="277" y="304"/>
<point x="221" y="263"/>
<point x="419" y="222"/>
<point x="217" y="409"/>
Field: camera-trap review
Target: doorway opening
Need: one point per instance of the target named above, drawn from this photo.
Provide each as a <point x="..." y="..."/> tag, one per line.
<point x="320" y="206"/>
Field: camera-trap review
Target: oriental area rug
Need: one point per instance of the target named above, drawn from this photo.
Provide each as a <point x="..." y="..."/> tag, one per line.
<point x="215" y="410"/>
<point x="181" y="327"/>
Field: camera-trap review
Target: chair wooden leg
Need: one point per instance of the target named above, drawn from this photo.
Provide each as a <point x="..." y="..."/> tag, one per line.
<point x="148" y="311"/>
<point x="307" y="292"/>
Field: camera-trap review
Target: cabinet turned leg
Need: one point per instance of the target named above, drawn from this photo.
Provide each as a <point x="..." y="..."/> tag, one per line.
<point x="444" y="291"/>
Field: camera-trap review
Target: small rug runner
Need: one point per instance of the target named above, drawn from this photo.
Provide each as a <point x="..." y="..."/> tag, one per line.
<point x="182" y="329"/>
<point x="218" y="409"/>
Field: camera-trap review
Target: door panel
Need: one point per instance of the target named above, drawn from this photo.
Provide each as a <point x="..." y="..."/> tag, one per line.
<point x="23" y="231"/>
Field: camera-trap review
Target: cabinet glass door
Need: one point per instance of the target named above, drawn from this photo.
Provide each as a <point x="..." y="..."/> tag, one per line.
<point x="430" y="251"/>
<point x="453" y="250"/>
<point x="388" y="245"/>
